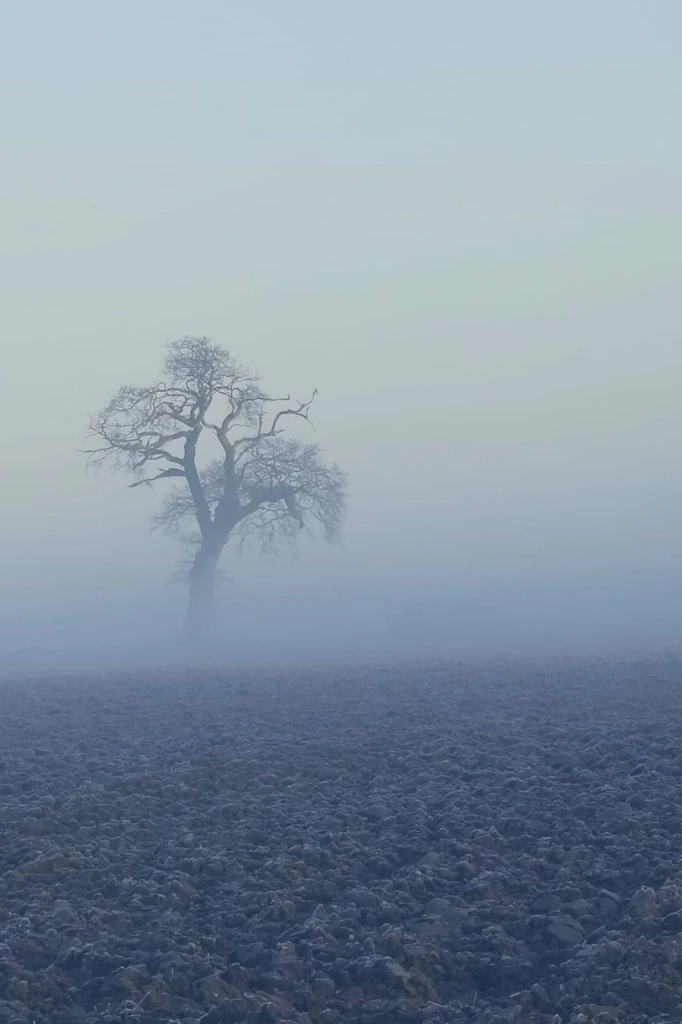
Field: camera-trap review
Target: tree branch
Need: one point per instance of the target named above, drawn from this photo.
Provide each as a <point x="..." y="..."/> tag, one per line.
<point x="163" y="475"/>
<point x="302" y="412"/>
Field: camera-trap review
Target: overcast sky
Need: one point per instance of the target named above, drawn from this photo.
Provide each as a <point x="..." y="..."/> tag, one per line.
<point x="461" y="221"/>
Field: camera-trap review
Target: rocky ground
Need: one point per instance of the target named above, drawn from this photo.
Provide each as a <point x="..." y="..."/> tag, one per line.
<point x="445" y="844"/>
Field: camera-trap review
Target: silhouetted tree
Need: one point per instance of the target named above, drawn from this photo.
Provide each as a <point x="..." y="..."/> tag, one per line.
<point x="263" y="486"/>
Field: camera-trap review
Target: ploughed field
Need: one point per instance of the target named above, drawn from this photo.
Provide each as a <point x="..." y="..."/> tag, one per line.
<point x="439" y="843"/>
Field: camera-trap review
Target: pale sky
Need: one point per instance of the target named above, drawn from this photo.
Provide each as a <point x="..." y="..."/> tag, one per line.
<point x="461" y="221"/>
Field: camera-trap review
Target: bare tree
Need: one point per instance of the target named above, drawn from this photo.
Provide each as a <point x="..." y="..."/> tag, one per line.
<point x="262" y="486"/>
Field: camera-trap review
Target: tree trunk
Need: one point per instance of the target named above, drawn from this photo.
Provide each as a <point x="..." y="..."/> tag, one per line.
<point x="201" y="606"/>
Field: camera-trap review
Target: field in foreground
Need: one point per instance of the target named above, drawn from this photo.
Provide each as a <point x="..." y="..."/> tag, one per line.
<point x="444" y="844"/>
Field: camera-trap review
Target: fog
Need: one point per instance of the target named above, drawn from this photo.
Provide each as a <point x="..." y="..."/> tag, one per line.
<point x="460" y="222"/>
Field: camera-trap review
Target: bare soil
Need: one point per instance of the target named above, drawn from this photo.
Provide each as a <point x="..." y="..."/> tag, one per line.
<point x="440" y="843"/>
